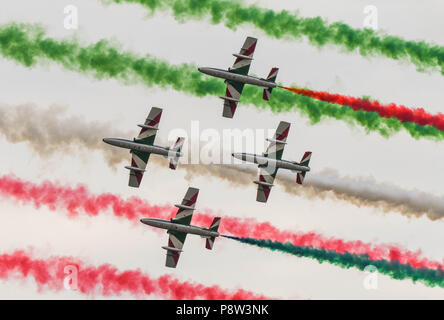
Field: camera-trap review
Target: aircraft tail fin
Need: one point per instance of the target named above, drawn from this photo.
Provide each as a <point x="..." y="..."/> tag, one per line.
<point x="215" y="224"/>
<point x="214" y="227"/>
<point x="304" y="162"/>
<point x="174" y="152"/>
<point x="210" y="243"/>
<point x="272" y="78"/>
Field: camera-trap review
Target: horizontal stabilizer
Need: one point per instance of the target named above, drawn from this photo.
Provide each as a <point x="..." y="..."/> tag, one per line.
<point x="262" y="183"/>
<point x="304" y="162"/>
<point x="172" y="249"/>
<point x="173" y="163"/>
<point x="306" y="158"/>
<point x="273" y="74"/>
<point x="209" y="243"/>
<point x="135" y="169"/>
<point x="271" y="78"/>
<point x="215" y="224"/>
<point x="300" y="177"/>
<point x="174" y="152"/>
<point x="267" y="93"/>
<point x="229" y="99"/>
<point x="181" y="206"/>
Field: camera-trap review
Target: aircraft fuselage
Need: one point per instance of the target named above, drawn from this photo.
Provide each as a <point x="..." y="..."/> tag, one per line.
<point x="224" y="74"/>
<point x="129" y="144"/>
<point x="261" y="160"/>
<point x="167" y="224"/>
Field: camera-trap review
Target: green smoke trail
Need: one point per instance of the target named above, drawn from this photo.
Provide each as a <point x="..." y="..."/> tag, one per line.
<point x="395" y="270"/>
<point x="27" y="45"/>
<point x="285" y="24"/>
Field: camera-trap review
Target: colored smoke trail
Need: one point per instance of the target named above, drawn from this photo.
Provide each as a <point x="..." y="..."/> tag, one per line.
<point x="328" y="184"/>
<point x="107" y="280"/>
<point x="362" y="191"/>
<point x="59" y="133"/>
<point x="285" y="25"/>
<point x="402" y="113"/>
<point x="79" y="200"/>
<point x="346" y="260"/>
<point x="28" y="46"/>
<point x="64" y="134"/>
<point x="316" y="110"/>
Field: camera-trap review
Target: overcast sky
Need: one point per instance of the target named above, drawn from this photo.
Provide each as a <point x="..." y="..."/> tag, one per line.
<point x="400" y="160"/>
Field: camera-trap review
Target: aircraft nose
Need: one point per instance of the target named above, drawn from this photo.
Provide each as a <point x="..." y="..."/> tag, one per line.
<point x="198" y="69"/>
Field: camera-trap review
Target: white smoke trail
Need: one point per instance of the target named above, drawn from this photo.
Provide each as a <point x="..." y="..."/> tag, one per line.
<point x="358" y="191"/>
<point x="48" y="131"/>
<point x="367" y="192"/>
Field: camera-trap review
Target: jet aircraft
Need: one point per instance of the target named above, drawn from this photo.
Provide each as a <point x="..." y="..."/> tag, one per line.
<point x="143" y="146"/>
<point x="271" y="161"/>
<point x="237" y="76"/>
<point x="179" y="226"/>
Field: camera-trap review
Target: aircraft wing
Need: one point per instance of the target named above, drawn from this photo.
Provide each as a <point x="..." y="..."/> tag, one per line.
<point x="232" y="96"/>
<point x="146" y="136"/>
<point x="241" y="66"/>
<point x="175" y="245"/>
<point x="243" y="58"/>
<point x="137" y="169"/>
<point x="149" y="128"/>
<point x="265" y="182"/>
<point x="277" y="143"/>
<point x="268" y="171"/>
<point x="183" y="216"/>
<point x="186" y="208"/>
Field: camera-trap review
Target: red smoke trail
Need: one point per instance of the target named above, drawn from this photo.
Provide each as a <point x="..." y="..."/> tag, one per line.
<point x="108" y="280"/>
<point x="80" y="200"/>
<point x="402" y="113"/>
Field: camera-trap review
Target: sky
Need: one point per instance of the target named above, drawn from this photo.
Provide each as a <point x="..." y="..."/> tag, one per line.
<point x="400" y="160"/>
